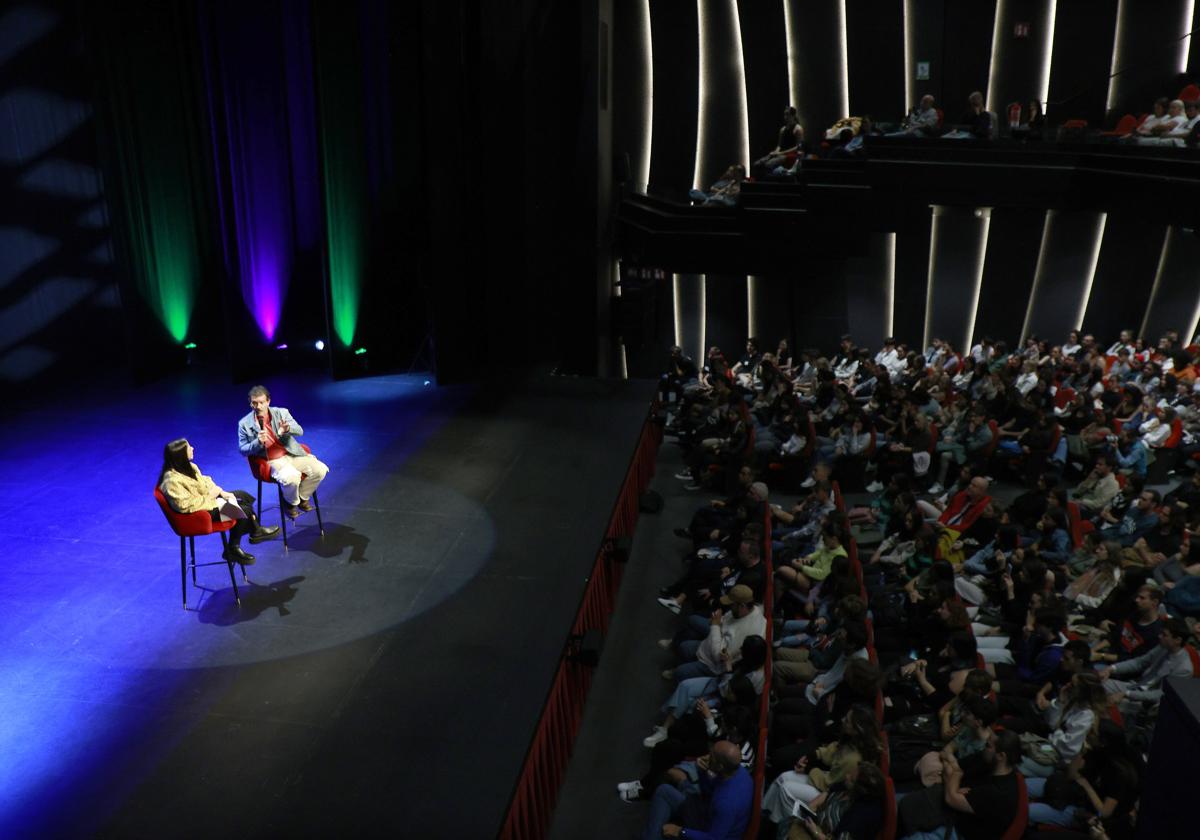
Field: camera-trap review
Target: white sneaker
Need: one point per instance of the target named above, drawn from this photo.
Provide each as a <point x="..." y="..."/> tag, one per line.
<point x="665" y="644"/>
<point x="624" y="786"/>
<point x="874" y="487"/>
<point x="684" y="476"/>
<point x="671" y="604"/>
<point x="632" y="793"/>
<point x="935" y="489"/>
<point x="656" y="737"/>
<point x="808" y="482"/>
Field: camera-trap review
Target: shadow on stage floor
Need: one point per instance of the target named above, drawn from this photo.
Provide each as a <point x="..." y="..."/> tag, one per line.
<point x="369" y="676"/>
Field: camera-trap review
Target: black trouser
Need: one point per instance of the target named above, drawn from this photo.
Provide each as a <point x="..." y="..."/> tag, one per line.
<point x="241" y="527"/>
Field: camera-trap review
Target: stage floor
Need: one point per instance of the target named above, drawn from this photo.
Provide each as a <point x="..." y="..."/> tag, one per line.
<point x="385" y="678"/>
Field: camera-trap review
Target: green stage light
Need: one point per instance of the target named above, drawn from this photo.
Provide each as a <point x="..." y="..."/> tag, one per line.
<point x="360" y="351"/>
<point x="191" y="345"/>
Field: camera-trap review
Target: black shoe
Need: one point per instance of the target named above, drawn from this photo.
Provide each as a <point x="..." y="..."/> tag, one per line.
<point x="684" y="533"/>
<point x="235" y="554"/>
<point x="305" y="505"/>
<point x="291" y="511"/>
<point x="264" y="534"/>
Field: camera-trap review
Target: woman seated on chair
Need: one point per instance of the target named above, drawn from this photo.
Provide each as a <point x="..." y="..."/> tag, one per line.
<point x="187" y="490"/>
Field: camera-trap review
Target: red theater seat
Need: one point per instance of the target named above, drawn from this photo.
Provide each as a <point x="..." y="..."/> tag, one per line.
<point x="188" y="526"/>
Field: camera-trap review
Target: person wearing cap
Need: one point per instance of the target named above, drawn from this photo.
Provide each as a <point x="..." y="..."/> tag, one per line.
<point x="726" y="632"/>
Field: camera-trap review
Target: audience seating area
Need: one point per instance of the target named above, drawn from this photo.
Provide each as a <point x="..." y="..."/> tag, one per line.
<point x="983" y="573"/>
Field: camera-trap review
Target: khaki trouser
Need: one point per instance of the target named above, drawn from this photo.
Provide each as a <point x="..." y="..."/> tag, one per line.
<point x="792" y="665"/>
<point x="298" y="477"/>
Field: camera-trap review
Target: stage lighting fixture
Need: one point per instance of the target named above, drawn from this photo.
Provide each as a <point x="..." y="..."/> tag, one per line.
<point x="281" y="346"/>
<point x="191" y="345"/>
<point x="319" y="344"/>
<point x="361" y="351"/>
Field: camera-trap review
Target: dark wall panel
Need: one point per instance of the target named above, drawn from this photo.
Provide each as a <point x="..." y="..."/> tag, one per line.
<point x="764" y="54"/>
<point x="631" y="74"/>
<point x="820" y="305"/>
<point x="725" y="314"/>
<point x="958" y="248"/>
<point x="777" y="319"/>
<point x="1124" y="275"/>
<point x="1148" y="60"/>
<point x="676" y="91"/>
<point x="1008" y="269"/>
<point x="721" y="139"/>
<point x="1063" y="273"/>
<point x="1083" y="39"/>
<point x="1177" y="292"/>
<point x="1017" y="71"/>
<point x="816" y="48"/>
<point x="689" y="312"/>
<point x="967" y="52"/>
<point x="912" y="277"/>
<point x="875" y="36"/>
<point x="868" y="290"/>
<point x="927" y="27"/>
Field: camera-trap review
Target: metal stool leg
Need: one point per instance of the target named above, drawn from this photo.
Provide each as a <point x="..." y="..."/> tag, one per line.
<point x="183" y="570"/>
<point x="192" y="545"/>
<point x="259" y="496"/>
<point x="317" y="505"/>
<point x="282" y="516"/>
<point x="237" y="596"/>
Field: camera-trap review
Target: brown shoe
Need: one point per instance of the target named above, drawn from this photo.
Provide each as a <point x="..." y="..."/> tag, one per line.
<point x="292" y="511"/>
<point x="305" y="505"/>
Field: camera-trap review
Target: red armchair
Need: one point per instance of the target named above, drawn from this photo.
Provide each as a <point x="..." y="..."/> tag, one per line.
<point x="261" y="470"/>
<point x="188" y="526"/>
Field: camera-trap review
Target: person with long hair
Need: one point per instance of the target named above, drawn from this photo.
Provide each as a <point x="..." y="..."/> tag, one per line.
<point x="1073" y="718"/>
<point x="187" y="490"/>
<point x="852" y="808"/>
<point x="858" y="742"/>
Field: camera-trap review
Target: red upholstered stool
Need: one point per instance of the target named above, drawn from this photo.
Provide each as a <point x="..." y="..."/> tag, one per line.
<point x="188" y="526"/>
<point x="261" y="470"/>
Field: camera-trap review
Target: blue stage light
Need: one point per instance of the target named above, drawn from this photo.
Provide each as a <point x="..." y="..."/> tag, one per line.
<point x="319" y="344"/>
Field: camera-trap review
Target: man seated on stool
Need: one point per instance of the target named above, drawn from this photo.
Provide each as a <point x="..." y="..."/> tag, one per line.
<point x="271" y="433"/>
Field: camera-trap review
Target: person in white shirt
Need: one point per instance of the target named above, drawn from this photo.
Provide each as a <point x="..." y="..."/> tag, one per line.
<point x="1028" y="378"/>
<point x="1146" y="129"/>
<point x="1072" y="346"/>
<point x="1155" y="432"/>
<point x="887" y="355"/>
<point x="1125" y="342"/>
<point x="1170" y="128"/>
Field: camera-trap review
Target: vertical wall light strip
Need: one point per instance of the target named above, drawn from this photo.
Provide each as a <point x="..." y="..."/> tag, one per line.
<point x="843" y="41"/>
<point x="702" y="76"/>
<point x="936" y="211"/>
<point x="986" y="216"/>
<point x="1091" y="277"/>
<point x="996" y="36"/>
<point x="1162" y="261"/>
<point x="1189" y="337"/>
<point x="643" y="170"/>
<point x="793" y="63"/>
<point x="703" y="315"/>
<point x="751" y="309"/>
<point x="1185" y="44"/>
<point x="909" y="102"/>
<point x="1110" y="100"/>
<point x="678" y="311"/>
<point x="1037" y="274"/>
<point x="739" y="69"/>
<point x="624" y="358"/>
<point x="890" y="285"/>
<point x="1047" y="53"/>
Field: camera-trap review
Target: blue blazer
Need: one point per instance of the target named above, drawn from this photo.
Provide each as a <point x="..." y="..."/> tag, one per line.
<point x="248" y="443"/>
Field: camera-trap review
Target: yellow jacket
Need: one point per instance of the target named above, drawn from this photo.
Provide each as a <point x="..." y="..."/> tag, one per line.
<point x="188" y="494"/>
